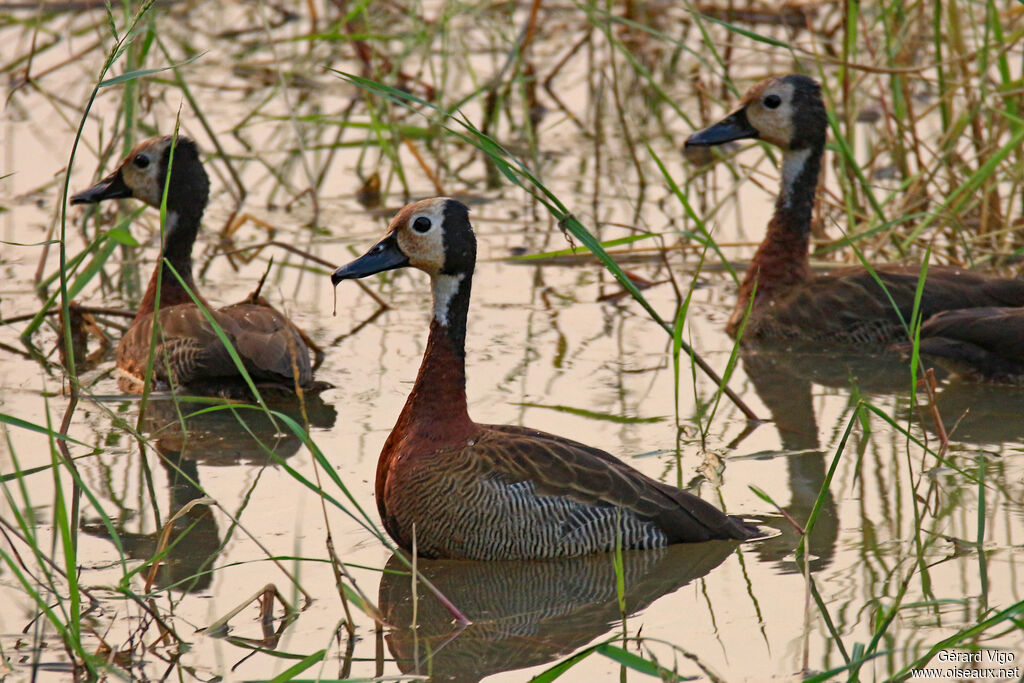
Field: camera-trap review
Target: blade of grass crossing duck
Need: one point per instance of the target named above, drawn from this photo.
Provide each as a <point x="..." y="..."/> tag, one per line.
<point x="363" y="519"/>
<point x="513" y="169"/>
<point x="66" y="517"/>
<point x="221" y="335"/>
<point x="147" y="374"/>
<point x="620" y="578"/>
<point x="112" y="57"/>
<point x="915" y="322"/>
<point x="848" y="240"/>
<point x="704" y="236"/>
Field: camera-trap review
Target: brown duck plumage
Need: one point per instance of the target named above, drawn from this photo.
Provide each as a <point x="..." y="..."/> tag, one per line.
<point x="189" y="353"/>
<point x="983" y="344"/>
<point x="501" y="492"/>
<point x="847" y="305"/>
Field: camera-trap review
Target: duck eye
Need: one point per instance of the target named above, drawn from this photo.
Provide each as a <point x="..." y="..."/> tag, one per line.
<point x="421" y="224"/>
<point x="140" y="161"/>
<point x="772" y="101"/>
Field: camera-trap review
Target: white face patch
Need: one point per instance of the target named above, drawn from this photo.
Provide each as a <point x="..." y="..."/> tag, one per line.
<point x="774" y="124"/>
<point x="792" y="164"/>
<point x="143" y="181"/>
<point x="444" y="288"/>
<point x="421" y="234"/>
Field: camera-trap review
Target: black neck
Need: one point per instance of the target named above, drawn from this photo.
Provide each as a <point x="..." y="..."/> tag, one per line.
<point x="179" y="238"/>
<point x="794" y="207"/>
<point x="187" y="193"/>
<point x="183" y="219"/>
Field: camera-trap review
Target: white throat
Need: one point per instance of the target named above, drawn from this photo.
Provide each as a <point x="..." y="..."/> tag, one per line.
<point x="170" y="222"/>
<point x="792" y="164"/>
<point x="444" y="288"/>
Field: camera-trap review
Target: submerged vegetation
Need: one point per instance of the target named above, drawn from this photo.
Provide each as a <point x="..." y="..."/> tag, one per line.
<point x="894" y="497"/>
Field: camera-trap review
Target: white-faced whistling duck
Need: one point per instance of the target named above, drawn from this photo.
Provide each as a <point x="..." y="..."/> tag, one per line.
<point x="496" y="491"/>
<point x="189" y="353"/>
<point x="846" y="305"/>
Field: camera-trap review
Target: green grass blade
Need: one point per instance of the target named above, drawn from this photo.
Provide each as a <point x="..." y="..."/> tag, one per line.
<point x="142" y="73"/>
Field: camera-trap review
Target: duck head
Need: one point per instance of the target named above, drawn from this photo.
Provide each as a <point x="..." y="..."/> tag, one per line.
<point x="143" y="175"/>
<point x="786" y="111"/>
<point x="432" y="235"/>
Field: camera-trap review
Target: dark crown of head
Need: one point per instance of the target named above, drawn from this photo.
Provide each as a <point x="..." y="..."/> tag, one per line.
<point x="459" y="240"/>
<point x="809" y="118"/>
<point x="188" y="177"/>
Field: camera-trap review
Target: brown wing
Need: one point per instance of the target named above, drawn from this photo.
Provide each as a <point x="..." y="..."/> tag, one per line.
<point x="189" y="351"/>
<point x="984" y="342"/>
<point x="561" y="467"/>
<point x="268" y="340"/>
<point x="850" y="304"/>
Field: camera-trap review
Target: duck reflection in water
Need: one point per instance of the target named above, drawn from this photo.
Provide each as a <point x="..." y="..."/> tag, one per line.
<point x="525" y="613"/>
<point x="231" y="436"/>
<point x="193" y="543"/>
<point x="234" y="433"/>
<point x="784" y="381"/>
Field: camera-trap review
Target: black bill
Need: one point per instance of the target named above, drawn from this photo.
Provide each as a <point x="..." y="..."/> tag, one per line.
<point x="111" y="187"/>
<point x="385" y="255"/>
<point x="733" y="127"/>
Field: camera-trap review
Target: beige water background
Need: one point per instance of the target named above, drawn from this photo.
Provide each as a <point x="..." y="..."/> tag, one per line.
<point x="539" y="335"/>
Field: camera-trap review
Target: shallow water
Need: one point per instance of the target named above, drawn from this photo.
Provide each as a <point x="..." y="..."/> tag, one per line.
<point x="544" y="350"/>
